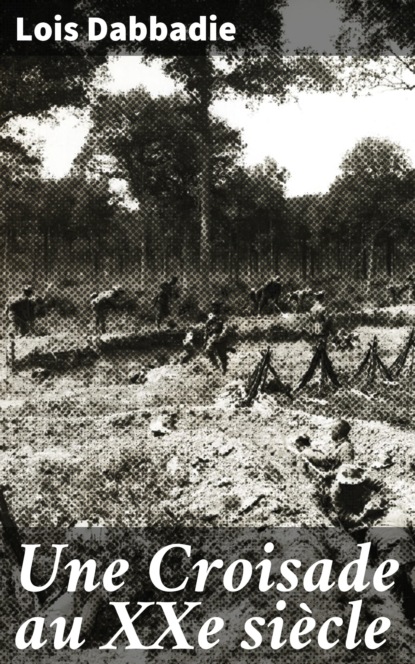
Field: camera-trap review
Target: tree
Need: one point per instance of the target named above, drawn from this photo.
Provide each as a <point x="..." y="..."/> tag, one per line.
<point x="36" y="84"/>
<point x="153" y="145"/>
<point x="249" y="75"/>
<point x="378" y="27"/>
<point x="249" y="222"/>
<point x="372" y="32"/>
<point x="369" y="195"/>
<point x="305" y="214"/>
<point x="252" y="66"/>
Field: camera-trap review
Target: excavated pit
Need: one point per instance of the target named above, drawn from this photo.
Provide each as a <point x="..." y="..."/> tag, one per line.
<point x="84" y="445"/>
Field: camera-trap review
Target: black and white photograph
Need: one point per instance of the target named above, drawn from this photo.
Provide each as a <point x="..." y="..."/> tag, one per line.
<point x="207" y="342"/>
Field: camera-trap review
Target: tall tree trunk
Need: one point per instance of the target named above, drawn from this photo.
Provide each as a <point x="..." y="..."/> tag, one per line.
<point x="312" y="262"/>
<point x="273" y="267"/>
<point x="370" y="259"/>
<point x="143" y="263"/>
<point x="304" y="252"/>
<point x="390" y="255"/>
<point x="46" y="248"/>
<point x="6" y="275"/>
<point x="206" y="147"/>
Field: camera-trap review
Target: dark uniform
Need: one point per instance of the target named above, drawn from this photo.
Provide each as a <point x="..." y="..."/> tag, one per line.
<point x="339" y="451"/>
<point x="21" y="312"/>
<point x="266" y="295"/>
<point x="162" y="302"/>
<point x="102" y="304"/>
<point x="216" y="341"/>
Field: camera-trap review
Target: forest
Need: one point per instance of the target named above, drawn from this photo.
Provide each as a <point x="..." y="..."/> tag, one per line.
<point x="362" y="227"/>
<point x="190" y="204"/>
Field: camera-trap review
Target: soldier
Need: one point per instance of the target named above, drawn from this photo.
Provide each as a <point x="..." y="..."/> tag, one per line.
<point x="339" y="451"/>
<point x="102" y="304"/>
<point x="322" y="323"/>
<point x="268" y="294"/>
<point x="162" y="302"/>
<point x="216" y="338"/>
<point x="21" y="312"/>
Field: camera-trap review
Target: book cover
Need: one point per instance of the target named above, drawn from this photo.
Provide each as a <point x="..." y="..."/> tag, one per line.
<point x="207" y="375"/>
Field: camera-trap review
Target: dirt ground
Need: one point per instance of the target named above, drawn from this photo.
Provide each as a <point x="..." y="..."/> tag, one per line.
<point x="87" y="446"/>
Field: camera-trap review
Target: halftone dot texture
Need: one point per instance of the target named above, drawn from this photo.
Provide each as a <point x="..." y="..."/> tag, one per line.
<point x="111" y="414"/>
<point x="119" y="374"/>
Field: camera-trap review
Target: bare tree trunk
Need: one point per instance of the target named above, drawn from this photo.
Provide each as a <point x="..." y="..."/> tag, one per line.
<point x="143" y="263"/>
<point x="6" y="275"/>
<point x="272" y="265"/>
<point x="46" y="248"/>
<point x="390" y="255"/>
<point x="205" y="98"/>
<point x="304" y="257"/>
<point x="370" y="255"/>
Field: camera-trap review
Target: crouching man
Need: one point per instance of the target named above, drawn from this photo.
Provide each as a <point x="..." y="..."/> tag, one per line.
<point x="338" y="451"/>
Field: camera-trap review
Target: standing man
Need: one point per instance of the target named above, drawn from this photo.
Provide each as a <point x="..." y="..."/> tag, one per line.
<point x="21" y="312"/>
<point x="322" y="323"/>
<point x="269" y="294"/>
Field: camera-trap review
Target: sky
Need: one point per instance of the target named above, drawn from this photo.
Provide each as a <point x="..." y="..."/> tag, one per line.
<point x="308" y="135"/>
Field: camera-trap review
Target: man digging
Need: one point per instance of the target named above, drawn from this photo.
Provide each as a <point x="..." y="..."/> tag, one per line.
<point x="267" y="295"/>
<point x="101" y="304"/>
